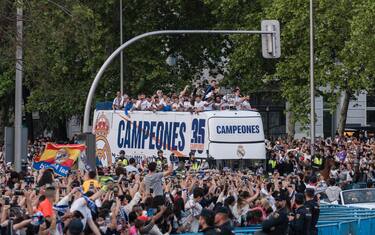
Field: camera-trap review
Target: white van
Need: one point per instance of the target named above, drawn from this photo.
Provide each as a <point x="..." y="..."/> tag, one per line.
<point x="222" y="134"/>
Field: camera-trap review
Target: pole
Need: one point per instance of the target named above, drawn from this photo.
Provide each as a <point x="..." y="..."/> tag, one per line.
<point x="121" y="55"/>
<point x="312" y="87"/>
<point x="98" y="76"/>
<point x="18" y="96"/>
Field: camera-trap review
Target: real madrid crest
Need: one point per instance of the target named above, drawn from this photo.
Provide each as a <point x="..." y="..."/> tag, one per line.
<point x="101" y="130"/>
<point x="240" y="151"/>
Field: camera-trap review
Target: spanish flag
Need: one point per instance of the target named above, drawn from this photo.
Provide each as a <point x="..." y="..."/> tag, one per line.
<point x="59" y="157"/>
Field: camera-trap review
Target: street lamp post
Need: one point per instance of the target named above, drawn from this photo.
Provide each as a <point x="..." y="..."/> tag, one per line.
<point x="312" y="87"/>
<point x="121" y="55"/>
<point x="18" y="92"/>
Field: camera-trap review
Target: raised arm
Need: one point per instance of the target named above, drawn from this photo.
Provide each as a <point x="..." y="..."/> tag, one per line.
<point x="169" y="171"/>
<point x="21" y="224"/>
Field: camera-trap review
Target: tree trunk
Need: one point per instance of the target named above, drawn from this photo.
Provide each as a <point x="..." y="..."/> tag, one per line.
<point x="291" y="128"/>
<point x="291" y="125"/>
<point x="343" y="113"/>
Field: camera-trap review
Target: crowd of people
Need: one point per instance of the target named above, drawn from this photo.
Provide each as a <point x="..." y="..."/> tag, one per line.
<point x="198" y="100"/>
<point x="165" y="196"/>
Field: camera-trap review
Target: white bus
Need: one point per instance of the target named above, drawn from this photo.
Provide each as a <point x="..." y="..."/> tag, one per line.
<point x="225" y="135"/>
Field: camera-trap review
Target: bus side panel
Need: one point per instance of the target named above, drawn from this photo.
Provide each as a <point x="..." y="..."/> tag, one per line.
<point x="237" y="151"/>
<point x="142" y="134"/>
<point x="236" y="137"/>
<point x="235" y="129"/>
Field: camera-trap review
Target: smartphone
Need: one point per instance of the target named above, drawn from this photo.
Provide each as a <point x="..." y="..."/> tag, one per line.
<point x="151" y="212"/>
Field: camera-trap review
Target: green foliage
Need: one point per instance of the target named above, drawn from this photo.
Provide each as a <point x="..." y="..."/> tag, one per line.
<point x="341" y="29"/>
<point x="358" y="55"/>
<point x="62" y="53"/>
<point x="66" y="42"/>
<point x="7" y="52"/>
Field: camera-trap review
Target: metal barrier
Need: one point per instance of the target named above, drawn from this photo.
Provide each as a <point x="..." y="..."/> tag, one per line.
<point x="333" y="220"/>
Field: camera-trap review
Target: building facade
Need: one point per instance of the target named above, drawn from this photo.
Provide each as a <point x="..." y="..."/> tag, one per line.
<point x="361" y="113"/>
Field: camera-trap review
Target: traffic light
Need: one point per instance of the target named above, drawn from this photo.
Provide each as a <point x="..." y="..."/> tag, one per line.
<point x="271" y="41"/>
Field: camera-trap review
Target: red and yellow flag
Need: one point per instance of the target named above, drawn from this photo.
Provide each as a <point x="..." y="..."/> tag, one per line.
<point x="59" y="157"/>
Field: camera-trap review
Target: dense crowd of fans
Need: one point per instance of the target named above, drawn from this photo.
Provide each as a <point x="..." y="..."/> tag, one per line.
<point x="165" y="195"/>
<point x="198" y="100"/>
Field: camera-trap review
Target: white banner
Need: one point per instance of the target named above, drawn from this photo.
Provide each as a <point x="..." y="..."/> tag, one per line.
<point x="141" y="134"/>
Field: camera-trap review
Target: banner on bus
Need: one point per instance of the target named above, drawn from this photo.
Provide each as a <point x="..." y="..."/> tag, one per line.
<point x="142" y="134"/>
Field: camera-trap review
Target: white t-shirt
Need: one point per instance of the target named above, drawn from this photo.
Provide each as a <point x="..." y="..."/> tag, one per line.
<point x="80" y="205"/>
<point x="199" y="105"/>
<point x="207" y="106"/>
<point x="118" y="102"/>
<point x="145" y="105"/>
<point x="195" y="209"/>
<point x="130" y="169"/>
<point x="142" y="105"/>
<point x="187" y="104"/>
<point x="333" y="193"/>
<point x="175" y="106"/>
<point x="162" y="101"/>
<point x="245" y="105"/>
<point x="135" y="200"/>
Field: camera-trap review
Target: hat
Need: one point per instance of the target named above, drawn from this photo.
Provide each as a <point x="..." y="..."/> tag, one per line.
<point x="279" y="196"/>
<point x="75" y="226"/>
<point x="222" y="210"/>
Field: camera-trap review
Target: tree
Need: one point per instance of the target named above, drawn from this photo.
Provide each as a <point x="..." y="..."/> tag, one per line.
<point x="334" y="73"/>
<point x="145" y="60"/>
<point x="287" y="77"/>
<point x="66" y="43"/>
<point x="334" y="70"/>
<point x="358" y="60"/>
<point x="63" y="49"/>
<point x="7" y="61"/>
